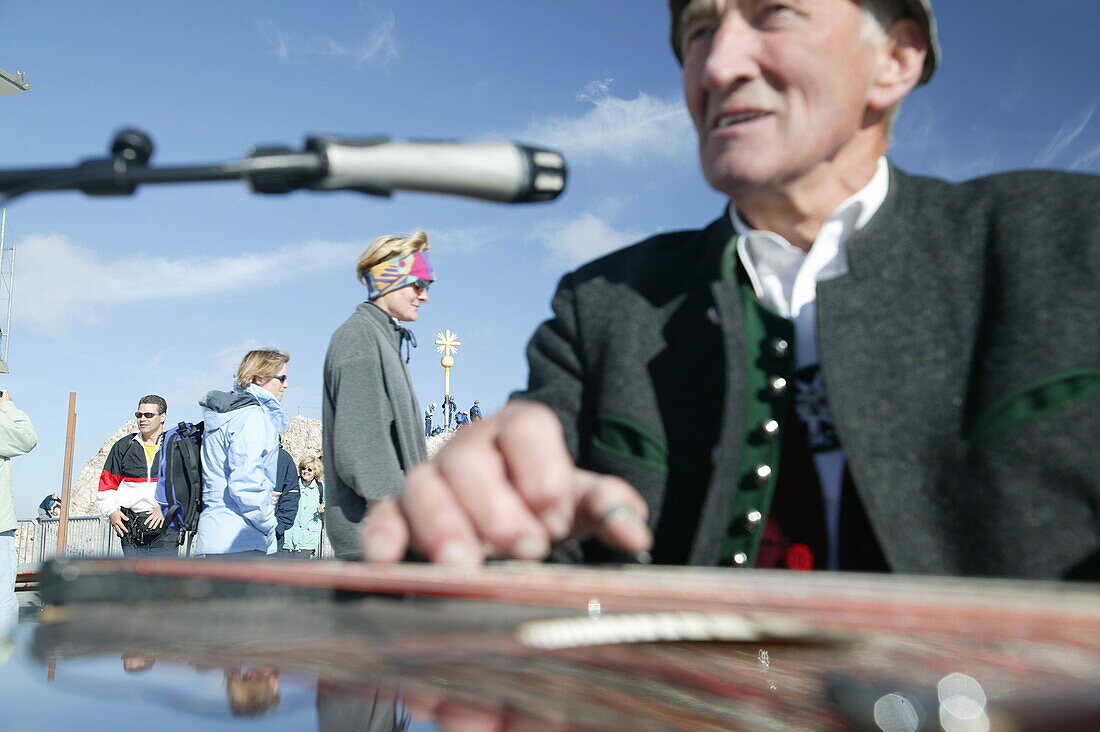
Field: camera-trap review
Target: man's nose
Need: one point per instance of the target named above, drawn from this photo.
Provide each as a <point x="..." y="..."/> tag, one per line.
<point x="732" y="56"/>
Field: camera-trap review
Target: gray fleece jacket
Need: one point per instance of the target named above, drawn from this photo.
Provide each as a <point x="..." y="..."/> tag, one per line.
<point x="371" y="422"/>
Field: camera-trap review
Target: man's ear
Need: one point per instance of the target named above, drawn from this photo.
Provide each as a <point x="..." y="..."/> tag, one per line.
<point x="901" y="66"/>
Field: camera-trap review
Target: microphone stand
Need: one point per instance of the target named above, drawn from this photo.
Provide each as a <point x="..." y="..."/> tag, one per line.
<point x="373" y="165"/>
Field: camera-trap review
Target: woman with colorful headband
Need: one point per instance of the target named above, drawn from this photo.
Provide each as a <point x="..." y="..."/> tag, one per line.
<point x="371" y="420"/>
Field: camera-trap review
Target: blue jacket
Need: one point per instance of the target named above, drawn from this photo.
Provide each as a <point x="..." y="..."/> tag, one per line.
<point x="240" y="451"/>
<point x="290" y="492"/>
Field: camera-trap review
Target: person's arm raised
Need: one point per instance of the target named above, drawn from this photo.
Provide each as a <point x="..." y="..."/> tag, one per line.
<point x="505" y="487"/>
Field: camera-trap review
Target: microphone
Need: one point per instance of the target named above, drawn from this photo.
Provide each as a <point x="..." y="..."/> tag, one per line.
<point x="493" y="171"/>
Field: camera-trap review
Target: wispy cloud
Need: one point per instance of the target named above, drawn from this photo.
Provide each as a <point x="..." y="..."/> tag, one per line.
<point x="378" y="45"/>
<point x="1086" y="161"/>
<point x="76" y="285"/>
<point x="582" y="238"/>
<point x="624" y="130"/>
<point x="189" y="383"/>
<point x="463" y="240"/>
<point x="1070" y="130"/>
<point x="188" y="380"/>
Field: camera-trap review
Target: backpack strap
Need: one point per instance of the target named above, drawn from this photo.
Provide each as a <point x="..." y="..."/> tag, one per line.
<point x="165" y="485"/>
<point x="191" y="433"/>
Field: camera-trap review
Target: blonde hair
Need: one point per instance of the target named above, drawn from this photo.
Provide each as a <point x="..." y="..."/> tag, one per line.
<point x="261" y="363"/>
<point x="251" y="697"/>
<point x="388" y="247"/>
<point x="315" y="463"/>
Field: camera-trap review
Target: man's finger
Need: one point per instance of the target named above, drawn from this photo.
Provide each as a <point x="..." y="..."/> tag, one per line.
<point x="384" y="536"/>
<point x="529" y="436"/>
<point x="438" y="525"/>
<point x="609" y="508"/>
<point x="474" y="473"/>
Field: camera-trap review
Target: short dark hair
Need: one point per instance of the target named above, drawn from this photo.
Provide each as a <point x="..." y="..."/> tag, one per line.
<point x="154" y="399"/>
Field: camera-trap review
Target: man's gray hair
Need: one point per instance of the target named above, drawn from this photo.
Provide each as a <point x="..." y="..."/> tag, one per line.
<point x="882" y="12"/>
<point x="878" y="16"/>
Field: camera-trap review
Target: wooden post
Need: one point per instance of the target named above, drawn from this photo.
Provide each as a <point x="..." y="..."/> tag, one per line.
<point x="66" y="479"/>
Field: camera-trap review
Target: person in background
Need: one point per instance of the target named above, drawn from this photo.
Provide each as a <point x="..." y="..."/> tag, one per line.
<point x="475" y="412"/>
<point x="252" y="692"/>
<point x="462" y="420"/>
<point x="17" y="437"/>
<point x="287" y="497"/>
<point x="128" y="484"/>
<point x="428" y="414"/>
<point x="240" y="456"/>
<point x="50" y="507"/>
<point x="134" y="662"/>
<point x="304" y="537"/>
<point x="371" y="418"/>
<point x="449" y="412"/>
<point x="887" y="372"/>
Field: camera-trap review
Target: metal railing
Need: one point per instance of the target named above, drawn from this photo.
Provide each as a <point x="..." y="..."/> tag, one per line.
<point x="91" y="536"/>
<point x="326" y="547"/>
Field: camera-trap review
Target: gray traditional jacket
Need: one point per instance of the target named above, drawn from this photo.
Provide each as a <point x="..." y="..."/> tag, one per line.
<point x="961" y="354"/>
<point x="371" y="423"/>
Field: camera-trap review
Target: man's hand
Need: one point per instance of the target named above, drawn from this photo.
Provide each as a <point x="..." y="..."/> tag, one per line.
<point x="505" y="487"/>
<point x="118" y="523"/>
<point x="5" y="396"/>
<point x="155" y="519"/>
<point x="320" y="508"/>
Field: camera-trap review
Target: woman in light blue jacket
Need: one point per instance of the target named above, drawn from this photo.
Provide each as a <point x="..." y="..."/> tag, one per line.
<point x="240" y="453"/>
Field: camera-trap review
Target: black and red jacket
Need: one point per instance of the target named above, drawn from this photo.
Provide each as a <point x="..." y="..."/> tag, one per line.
<point x="128" y="480"/>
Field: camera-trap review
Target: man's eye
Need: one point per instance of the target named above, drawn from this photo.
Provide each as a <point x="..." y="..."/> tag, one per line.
<point x="696" y="32"/>
<point x="767" y="10"/>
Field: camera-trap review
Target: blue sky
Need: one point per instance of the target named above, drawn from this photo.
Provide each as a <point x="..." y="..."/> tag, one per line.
<point x="164" y="291"/>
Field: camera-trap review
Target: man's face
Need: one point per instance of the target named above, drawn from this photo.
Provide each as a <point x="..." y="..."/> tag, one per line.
<point x="404" y="304"/>
<point x="150" y="425"/>
<point x="775" y="89"/>
<point x="277" y="384"/>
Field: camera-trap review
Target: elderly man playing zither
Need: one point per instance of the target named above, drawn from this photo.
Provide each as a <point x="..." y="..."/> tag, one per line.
<point x="851" y="368"/>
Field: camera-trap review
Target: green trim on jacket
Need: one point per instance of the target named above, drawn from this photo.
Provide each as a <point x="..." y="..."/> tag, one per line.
<point x="769" y="340"/>
<point x="1037" y="399"/>
<point x="629" y="440"/>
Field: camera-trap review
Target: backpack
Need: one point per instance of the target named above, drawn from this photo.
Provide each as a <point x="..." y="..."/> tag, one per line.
<point x="179" y="483"/>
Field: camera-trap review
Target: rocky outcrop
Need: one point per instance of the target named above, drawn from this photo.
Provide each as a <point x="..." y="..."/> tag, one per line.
<point x="302" y="438"/>
<point x="82" y="500"/>
<point x="435" y="442"/>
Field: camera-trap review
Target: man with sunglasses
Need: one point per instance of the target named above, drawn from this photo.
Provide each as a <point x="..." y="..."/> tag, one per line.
<point x="371" y="420"/>
<point x="128" y="483"/>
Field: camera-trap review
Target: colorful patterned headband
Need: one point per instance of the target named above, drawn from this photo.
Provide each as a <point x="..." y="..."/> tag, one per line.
<point x="394" y="274"/>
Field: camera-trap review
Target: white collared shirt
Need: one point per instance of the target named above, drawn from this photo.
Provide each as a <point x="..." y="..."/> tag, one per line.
<point x="785" y="279"/>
